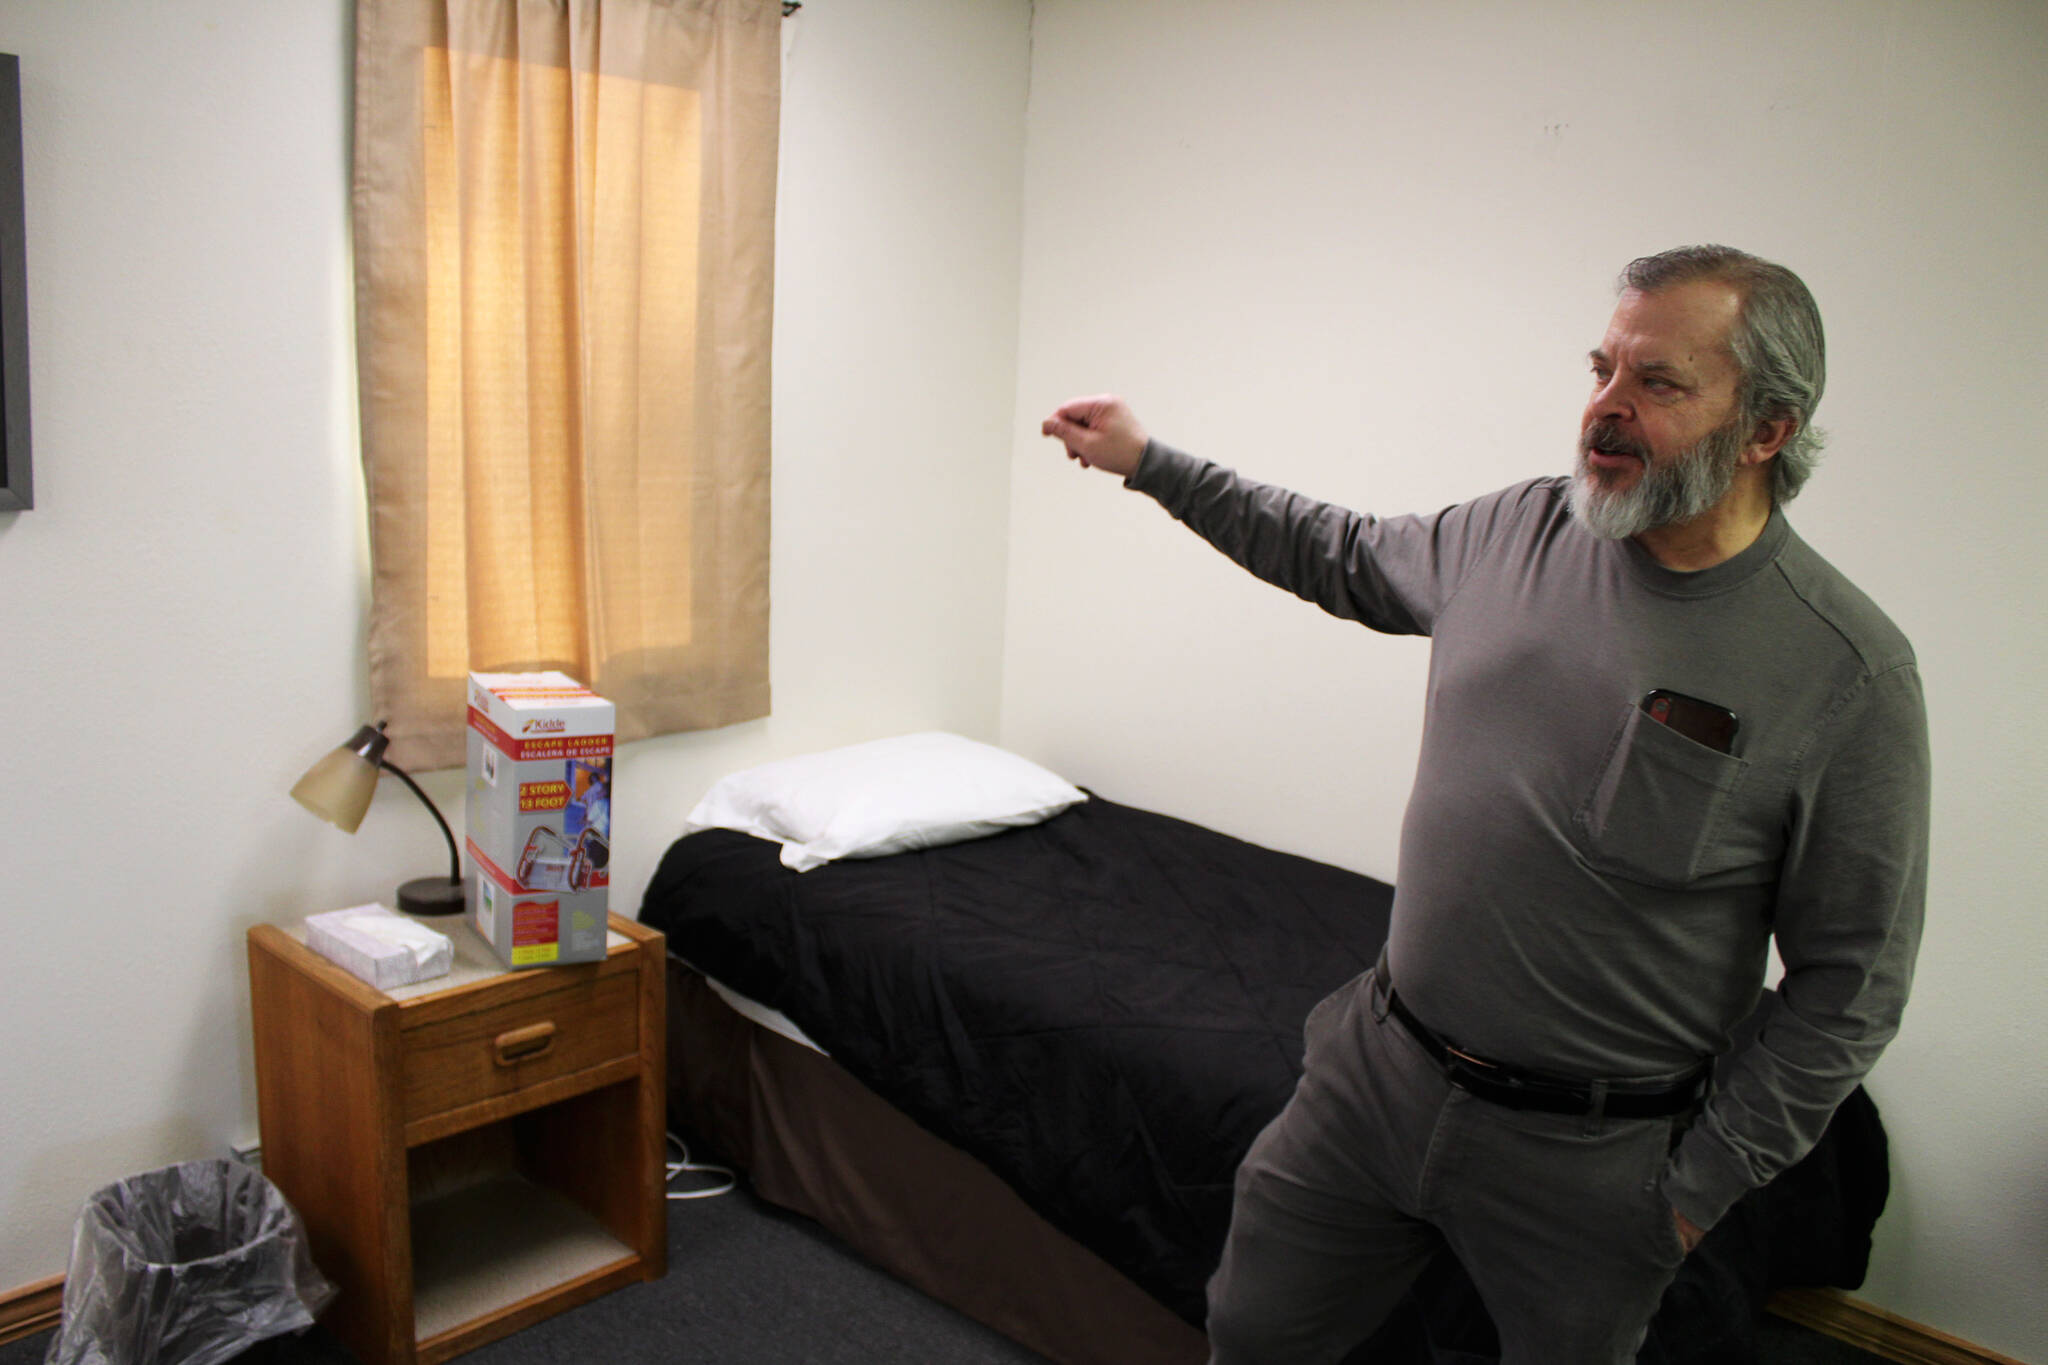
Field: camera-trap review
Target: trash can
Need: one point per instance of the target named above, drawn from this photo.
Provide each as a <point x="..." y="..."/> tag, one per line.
<point x="187" y="1265"/>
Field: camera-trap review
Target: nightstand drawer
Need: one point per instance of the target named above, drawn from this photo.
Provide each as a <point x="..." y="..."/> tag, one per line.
<point x="499" y="1050"/>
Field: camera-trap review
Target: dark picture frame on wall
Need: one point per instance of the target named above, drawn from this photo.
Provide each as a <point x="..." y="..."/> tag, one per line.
<point x="17" y="488"/>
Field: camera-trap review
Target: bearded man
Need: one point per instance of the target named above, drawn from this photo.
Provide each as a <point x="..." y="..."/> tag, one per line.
<point x="1660" y="732"/>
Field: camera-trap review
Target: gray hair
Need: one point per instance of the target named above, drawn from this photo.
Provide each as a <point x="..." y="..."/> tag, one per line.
<point x="1777" y="342"/>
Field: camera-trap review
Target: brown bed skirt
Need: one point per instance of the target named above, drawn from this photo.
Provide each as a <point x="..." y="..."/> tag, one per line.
<point x="813" y="1139"/>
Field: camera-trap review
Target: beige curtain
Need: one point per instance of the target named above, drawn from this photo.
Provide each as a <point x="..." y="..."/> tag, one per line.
<point x="564" y="237"/>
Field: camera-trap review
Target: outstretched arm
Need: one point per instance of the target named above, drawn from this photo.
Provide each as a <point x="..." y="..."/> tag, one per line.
<point x="1101" y="432"/>
<point x="1393" y="574"/>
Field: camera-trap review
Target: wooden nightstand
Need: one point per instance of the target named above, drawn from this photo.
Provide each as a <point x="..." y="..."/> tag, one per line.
<point x="470" y="1154"/>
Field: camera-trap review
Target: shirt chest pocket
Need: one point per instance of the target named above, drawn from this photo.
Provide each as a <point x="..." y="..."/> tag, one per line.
<point x="1661" y="809"/>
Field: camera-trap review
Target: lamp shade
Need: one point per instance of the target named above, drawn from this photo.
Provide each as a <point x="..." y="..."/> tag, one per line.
<point x="338" y="788"/>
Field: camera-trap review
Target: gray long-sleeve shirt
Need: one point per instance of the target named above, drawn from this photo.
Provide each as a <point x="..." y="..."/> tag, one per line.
<point x="1585" y="891"/>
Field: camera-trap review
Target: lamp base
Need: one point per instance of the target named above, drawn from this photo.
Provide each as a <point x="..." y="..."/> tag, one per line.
<point x="433" y="896"/>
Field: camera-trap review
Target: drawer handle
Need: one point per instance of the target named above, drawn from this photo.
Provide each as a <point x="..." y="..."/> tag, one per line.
<point x="524" y="1044"/>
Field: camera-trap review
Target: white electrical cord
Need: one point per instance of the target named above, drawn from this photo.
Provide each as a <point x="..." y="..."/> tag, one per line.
<point x="682" y="1163"/>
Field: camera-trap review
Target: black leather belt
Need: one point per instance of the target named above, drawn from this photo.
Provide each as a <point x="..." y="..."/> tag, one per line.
<point x="1518" y="1088"/>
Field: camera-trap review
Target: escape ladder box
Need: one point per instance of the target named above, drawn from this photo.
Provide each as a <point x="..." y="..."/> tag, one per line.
<point x="539" y="810"/>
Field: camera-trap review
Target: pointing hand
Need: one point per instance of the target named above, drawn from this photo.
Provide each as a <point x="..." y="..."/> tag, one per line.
<point x="1100" y="432"/>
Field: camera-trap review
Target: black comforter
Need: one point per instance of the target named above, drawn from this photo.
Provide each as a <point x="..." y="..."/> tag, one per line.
<point x="1106" y="1008"/>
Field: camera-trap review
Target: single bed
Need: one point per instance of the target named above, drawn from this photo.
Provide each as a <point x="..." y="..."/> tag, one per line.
<point x="1024" y="1067"/>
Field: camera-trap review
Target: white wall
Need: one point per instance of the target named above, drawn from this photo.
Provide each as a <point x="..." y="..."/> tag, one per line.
<point x="181" y="615"/>
<point x="1362" y="249"/>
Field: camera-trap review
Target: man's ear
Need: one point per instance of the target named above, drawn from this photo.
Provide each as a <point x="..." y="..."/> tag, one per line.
<point x="1768" y="439"/>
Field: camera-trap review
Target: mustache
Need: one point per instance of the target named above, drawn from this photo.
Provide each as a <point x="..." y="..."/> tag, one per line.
<point x="1605" y="435"/>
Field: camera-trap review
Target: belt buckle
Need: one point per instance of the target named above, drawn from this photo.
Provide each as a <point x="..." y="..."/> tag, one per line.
<point x="1520" y="1089"/>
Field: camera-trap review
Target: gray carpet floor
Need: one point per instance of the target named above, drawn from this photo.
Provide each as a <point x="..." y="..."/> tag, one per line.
<point x="749" y="1284"/>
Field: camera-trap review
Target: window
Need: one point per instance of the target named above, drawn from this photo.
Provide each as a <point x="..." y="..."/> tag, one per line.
<point x="564" y="235"/>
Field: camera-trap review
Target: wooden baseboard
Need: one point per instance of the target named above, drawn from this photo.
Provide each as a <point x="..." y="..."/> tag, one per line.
<point x="31" y="1309"/>
<point x="1870" y="1328"/>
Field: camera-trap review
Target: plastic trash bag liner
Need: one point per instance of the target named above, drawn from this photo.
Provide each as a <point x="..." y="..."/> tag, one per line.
<point x="187" y="1265"/>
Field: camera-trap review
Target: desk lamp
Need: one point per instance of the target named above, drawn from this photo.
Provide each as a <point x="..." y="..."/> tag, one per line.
<point x="338" y="790"/>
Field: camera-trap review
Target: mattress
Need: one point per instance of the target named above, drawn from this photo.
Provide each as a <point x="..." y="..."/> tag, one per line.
<point x="753" y="1011"/>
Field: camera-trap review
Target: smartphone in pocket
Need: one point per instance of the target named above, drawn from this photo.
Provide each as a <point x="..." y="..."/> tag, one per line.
<point x="1699" y="721"/>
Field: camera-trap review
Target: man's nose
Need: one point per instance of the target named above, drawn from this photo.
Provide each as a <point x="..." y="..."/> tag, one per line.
<point x="1610" y="401"/>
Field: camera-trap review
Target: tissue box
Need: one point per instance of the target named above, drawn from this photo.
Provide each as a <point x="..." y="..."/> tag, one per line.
<point x="383" y="948"/>
<point x="539" y="817"/>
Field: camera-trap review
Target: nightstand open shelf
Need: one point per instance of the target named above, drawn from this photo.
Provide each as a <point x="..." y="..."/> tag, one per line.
<point x="471" y="1154"/>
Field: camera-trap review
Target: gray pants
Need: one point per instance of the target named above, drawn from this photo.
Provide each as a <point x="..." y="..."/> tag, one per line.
<point x="1378" y="1162"/>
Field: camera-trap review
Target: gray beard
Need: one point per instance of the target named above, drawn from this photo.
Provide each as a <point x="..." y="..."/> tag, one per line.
<point x="1666" y="494"/>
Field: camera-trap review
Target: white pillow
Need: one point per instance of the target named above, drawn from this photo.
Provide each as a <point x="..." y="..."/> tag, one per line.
<point x="914" y="791"/>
